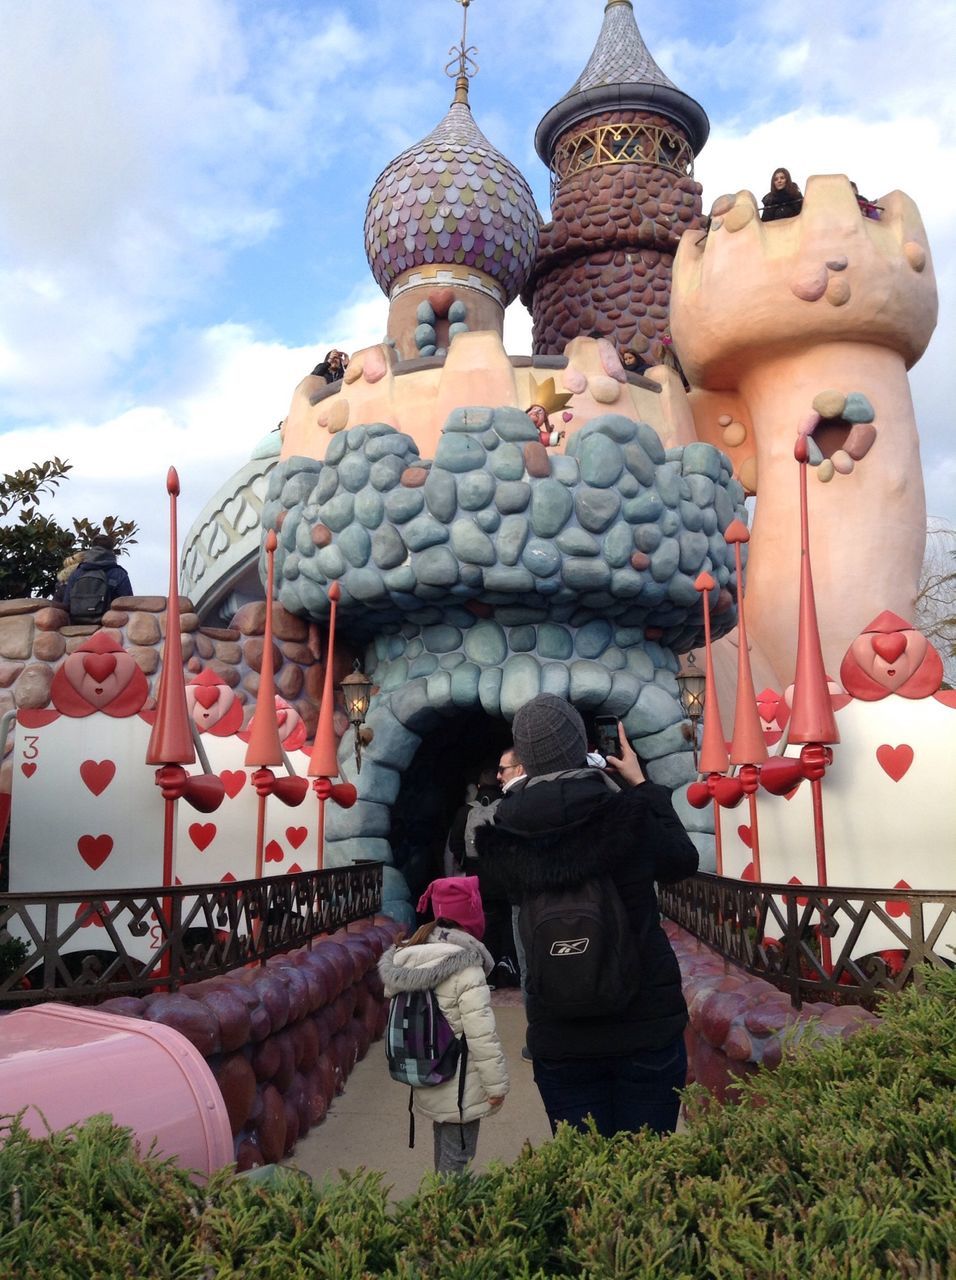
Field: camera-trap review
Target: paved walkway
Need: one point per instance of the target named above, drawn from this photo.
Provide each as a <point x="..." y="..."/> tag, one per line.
<point x="368" y="1124"/>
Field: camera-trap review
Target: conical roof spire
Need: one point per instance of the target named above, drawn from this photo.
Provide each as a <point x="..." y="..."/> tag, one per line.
<point x="621" y="75"/>
<point x="620" y="55"/>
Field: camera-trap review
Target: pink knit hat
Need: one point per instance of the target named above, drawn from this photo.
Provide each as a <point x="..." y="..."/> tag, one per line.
<point x="456" y="898"/>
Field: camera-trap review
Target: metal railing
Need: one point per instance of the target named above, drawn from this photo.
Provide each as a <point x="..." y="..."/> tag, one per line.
<point x="877" y="938"/>
<point x="81" y="947"/>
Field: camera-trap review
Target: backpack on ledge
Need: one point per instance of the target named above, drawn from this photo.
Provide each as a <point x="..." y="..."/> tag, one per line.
<point x="582" y="957"/>
<point x="89" y="595"/>
<point x="421" y="1049"/>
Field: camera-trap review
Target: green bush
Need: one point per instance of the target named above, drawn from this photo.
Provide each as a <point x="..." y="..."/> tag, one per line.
<point x="844" y="1166"/>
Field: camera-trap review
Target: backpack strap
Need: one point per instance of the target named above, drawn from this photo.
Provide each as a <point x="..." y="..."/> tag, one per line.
<point x="462" y="1068"/>
<point x="411" y="1117"/>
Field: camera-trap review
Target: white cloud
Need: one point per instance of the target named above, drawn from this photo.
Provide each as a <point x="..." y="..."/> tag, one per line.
<point x="138" y="145"/>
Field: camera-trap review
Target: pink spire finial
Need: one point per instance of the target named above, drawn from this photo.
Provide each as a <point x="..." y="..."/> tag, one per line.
<point x="171" y="741"/>
<point x="324" y="762"/>
<point x="811" y="717"/>
<point x="748" y="745"/>
<point x="265" y="746"/>
<point x="713" y="751"/>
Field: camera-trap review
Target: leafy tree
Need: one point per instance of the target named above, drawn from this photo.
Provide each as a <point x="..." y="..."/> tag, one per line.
<point x="936" y="595"/>
<point x="32" y="545"/>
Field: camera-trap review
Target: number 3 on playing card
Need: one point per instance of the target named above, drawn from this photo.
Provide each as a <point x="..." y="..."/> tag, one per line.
<point x="30" y="748"/>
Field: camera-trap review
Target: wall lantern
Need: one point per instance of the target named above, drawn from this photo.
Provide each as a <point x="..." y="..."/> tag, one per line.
<point x="357" y="691"/>
<point x="692" y="682"/>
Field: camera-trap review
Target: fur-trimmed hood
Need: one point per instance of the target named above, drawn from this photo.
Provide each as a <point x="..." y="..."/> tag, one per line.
<point x="558" y="831"/>
<point x="424" y="966"/>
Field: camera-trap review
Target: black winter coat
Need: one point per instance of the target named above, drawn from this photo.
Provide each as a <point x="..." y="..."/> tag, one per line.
<point x="781" y="204"/>
<point x="556" y="832"/>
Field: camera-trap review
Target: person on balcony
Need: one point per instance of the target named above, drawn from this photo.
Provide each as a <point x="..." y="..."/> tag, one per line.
<point x="783" y="200"/>
<point x="333" y="367"/>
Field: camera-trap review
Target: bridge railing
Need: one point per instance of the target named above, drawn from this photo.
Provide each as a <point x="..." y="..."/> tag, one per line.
<point x="82" y="947"/>
<point x="837" y="944"/>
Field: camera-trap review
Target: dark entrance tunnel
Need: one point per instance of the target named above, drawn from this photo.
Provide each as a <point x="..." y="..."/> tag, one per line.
<point x="434" y="787"/>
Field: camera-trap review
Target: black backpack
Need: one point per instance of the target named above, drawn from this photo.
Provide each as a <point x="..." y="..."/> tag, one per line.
<point x="90" y="595"/>
<point x="582" y="957"/>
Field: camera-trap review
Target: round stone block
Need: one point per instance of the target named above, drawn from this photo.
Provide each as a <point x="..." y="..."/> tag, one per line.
<point x="459" y="453"/>
<point x="486" y="644"/>
<point x="551" y="506"/>
<point x="436" y="567"/>
<point x="829" y="404"/>
<point x="519" y="684"/>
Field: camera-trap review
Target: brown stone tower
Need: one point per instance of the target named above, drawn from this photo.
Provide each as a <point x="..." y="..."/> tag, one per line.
<point x="620" y="145"/>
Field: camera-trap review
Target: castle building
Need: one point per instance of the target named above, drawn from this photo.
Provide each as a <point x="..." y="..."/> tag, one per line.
<point x="620" y="145"/>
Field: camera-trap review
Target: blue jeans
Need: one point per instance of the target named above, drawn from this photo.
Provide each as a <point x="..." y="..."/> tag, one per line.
<point x="622" y="1093"/>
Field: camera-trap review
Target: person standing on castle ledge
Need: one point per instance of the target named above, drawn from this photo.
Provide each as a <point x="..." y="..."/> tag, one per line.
<point x="95" y="583"/>
<point x="568" y="828"/>
<point x="333" y="367"/>
<point x="783" y="200"/>
<point x="632" y="362"/>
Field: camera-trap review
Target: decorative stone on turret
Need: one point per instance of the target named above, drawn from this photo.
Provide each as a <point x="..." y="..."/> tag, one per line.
<point x="620" y="145"/>
<point x="451" y="232"/>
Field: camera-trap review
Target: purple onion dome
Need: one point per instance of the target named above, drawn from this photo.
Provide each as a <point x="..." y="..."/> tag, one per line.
<point x="452" y="199"/>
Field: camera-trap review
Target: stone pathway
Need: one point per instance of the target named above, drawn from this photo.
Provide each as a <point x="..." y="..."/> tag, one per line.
<point x="368" y="1124"/>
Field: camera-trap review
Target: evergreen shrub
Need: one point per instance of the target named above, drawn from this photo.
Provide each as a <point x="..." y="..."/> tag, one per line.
<point x="841" y="1163"/>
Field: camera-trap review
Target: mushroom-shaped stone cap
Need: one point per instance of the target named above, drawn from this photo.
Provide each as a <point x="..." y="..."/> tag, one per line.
<point x="452" y="199"/>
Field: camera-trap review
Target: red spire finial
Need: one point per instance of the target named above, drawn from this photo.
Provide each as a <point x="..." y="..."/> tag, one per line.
<point x="265" y="746"/>
<point x="811" y="717"/>
<point x="324" y="762"/>
<point x="171" y="741"/>
<point x="748" y="745"/>
<point x="713" y="751"/>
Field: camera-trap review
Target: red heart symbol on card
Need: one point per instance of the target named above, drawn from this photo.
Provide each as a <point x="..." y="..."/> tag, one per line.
<point x="97" y="774"/>
<point x="94" y="850"/>
<point x="897" y="909"/>
<point x="801" y="902"/>
<point x="99" y="665"/>
<point x="28" y="770"/>
<point x="227" y="878"/>
<point x="274" y="852"/>
<point x="748" y="872"/>
<point x="894" y="761"/>
<point x="293" y="870"/>
<point x="296" y="836"/>
<point x="95" y="918"/>
<point x="202" y="834"/>
<point x="746" y="836"/>
<point x="233" y="780"/>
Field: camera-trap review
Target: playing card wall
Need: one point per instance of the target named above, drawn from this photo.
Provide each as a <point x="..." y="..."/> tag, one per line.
<point x="889" y="818"/>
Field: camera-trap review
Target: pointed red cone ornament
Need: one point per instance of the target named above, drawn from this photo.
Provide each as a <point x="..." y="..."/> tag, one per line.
<point x="264" y="745"/>
<point x="811" y="715"/>
<point x="171" y="741"/>
<point x="713" y="752"/>
<point x="748" y="745"/>
<point x="324" y="762"/>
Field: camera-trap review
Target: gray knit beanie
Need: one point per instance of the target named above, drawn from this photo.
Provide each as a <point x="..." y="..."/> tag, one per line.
<point x="549" y="736"/>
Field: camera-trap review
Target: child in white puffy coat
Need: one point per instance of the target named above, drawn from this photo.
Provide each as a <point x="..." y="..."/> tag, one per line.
<point x="443" y="957"/>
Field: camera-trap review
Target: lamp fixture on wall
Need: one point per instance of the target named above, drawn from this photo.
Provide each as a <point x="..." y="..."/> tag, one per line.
<point x="692" y="683"/>
<point x="357" y="691"/>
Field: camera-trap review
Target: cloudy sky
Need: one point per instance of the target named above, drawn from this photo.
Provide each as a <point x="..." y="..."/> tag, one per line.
<point x="183" y="185"/>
